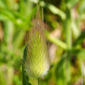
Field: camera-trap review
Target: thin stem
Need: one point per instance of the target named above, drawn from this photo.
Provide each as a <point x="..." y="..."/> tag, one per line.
<point x="69" y="45"/>
<point x="68" y="31"/>
<point x="42" y="14"/>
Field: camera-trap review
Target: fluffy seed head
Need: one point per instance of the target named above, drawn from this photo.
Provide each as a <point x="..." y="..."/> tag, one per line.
<point x="37" y="61"/>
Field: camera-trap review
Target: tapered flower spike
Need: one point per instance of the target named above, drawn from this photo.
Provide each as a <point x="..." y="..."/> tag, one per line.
<point x="37" y="61"/>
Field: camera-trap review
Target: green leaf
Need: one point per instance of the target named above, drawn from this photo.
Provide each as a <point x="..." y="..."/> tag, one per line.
<point x="60" y="72"/>
<point x="53" y="9"/>
<point x="72" y="3"/>
<point x="81" y="55"/>
<point x="25" y="78"/>
<point x="80" y="39"/>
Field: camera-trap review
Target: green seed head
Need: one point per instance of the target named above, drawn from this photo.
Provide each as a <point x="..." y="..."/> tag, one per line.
<point x="37" y="62"/>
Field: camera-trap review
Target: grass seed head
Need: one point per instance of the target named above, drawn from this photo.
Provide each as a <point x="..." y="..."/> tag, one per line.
<point x="37" y="61"/>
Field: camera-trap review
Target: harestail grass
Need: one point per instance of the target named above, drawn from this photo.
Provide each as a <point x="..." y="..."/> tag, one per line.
<point x="36" y="61"/>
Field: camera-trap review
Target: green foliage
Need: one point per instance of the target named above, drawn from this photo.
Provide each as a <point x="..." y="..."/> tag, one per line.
<point x="65" y="19"/>
<point x="60" y="72"/>
<point x="24" y="75"/>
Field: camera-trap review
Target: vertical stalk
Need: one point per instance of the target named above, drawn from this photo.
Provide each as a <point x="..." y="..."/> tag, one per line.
<point x="69" y="45"/>
<point x="68" y="30"/>
<point x="9" y="27"/>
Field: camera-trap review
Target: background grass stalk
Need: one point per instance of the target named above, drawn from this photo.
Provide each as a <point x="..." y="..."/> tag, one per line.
<point x="69" y="45"/>
<point x="56" y="41"/>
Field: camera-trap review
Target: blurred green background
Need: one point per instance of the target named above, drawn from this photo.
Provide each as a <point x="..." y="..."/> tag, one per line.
<point x="65" y="23"/>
